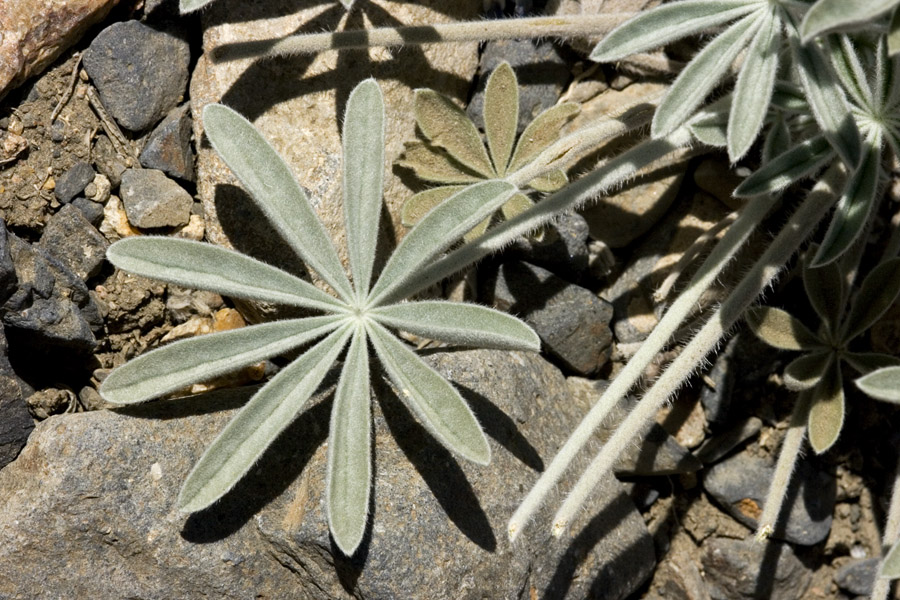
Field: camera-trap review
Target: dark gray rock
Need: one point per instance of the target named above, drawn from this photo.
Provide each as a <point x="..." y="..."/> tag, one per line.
<point x="540" y="69"/>
<point x="740" y="374"/>
<point x="169" y="146"/>
<point x="90" y="505"/>
<point x="572" y="322"/>
<point x="858" y="577"/>
<point x="8" y="280"/>
<point x="746" y="569"/>
<point x="71" y="239"/>
<point x="73" y="181"/>
<point x="92" y="211"/>
<point x="140" y="72"/>
<point x="153" y="200"/>
<point x="51" y="307"/>
<point x="16" y="423"/>
<point x="740" y="484"/>
<point x="563" y="249"/>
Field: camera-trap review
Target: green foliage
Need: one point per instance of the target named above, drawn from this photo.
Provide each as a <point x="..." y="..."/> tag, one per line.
<point x="358" y="316"/>
<point x="819" y="369"/>
<point x="454" y="156"/>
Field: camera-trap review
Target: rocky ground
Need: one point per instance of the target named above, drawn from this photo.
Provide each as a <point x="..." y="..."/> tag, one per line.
<point x="105" y="144"/>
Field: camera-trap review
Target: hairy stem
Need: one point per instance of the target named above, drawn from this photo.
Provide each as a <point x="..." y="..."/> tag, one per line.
<point x="763" y="272"/>
<point x="750" y="217"/>
<point x="784" y="468"/>
<point x="566" y="27"/>
<point x="882" y="586"/>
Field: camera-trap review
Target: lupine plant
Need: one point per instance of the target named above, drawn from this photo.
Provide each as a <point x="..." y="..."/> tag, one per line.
<point x="817" y="373"/>
<point x="360" y="313"/>
<point x="825" y="101"/>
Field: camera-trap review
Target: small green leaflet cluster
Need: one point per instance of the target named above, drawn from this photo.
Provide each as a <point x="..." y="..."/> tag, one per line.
<point x="361" y="314"/>
<point x="454" y="156"/>
<point x="817" y="373"/>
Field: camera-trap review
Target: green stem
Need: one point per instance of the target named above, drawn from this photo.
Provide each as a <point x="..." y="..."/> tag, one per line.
<point x="763" y="272"/>
<point x="565" y="27"/>
<point x="787" y="460"/>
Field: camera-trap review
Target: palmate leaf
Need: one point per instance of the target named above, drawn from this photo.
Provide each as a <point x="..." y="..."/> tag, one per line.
<point x="753" y="90"/>
<point x="270" y="182"/>
<point x="184" y="362"/>
<point x="867" y="362"/>
<point x="893" y="38"/>
<point x="667" y="23"/>
<point x="349" y="476"/>
<point x="436" y="403"/>
<point x="421" y="203"/>
<point x="263" y="418"/>
<point x="355" y="314"/>
<point x="831" y="15"/>
<point x="701" y="75"/>
<point x="186" y="6"/>
<point x="363" y="168"/>
<point x="777" y="140"/>
<point x="883" y="384"/>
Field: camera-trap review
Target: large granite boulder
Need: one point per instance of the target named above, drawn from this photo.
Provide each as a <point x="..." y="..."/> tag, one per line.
<point x="88" y="508"/>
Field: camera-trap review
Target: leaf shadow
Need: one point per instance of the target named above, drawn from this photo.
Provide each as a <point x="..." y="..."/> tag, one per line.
<point x="438" y="468"/>
<point x="283" y="76"/>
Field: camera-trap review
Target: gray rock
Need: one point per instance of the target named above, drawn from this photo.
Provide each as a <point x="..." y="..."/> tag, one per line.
<point x="71" y="239"/>
<point x="740" y="374"/>
<point x="169" y="146"/>
<point x="108" y="161"/>
<point x="541" y="72"/>
<point x="51" y="307"/>
<point x="572" y="322"/>
<point x="858" y="577"/>
<point x="746" y="569"/>
<point x="740" y="484"/>
<point x="16" y="423"/>
<point x="153" y="200"/>
<point x="92" y="211"/>
<point x="8" y="280"/>
<point x="140" y="72"/>
<point x="563" y="249"/>
<point x="73" y="181"/>
<point x="90" y="505"/>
